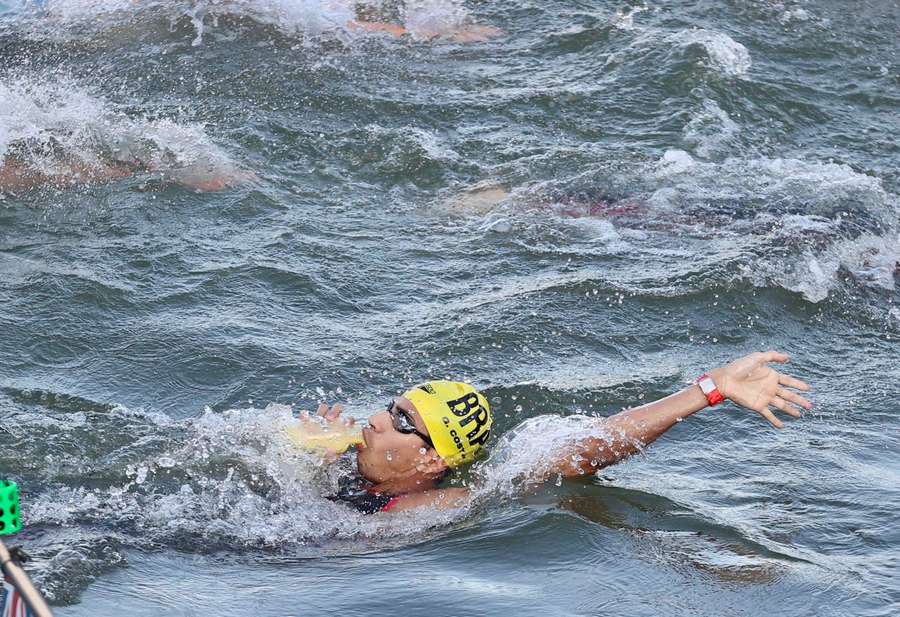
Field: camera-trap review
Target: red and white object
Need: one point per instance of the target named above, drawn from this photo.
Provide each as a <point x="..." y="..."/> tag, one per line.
<point x="708" y="386"/>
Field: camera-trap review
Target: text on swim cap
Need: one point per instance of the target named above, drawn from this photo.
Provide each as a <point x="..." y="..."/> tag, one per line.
<point x="468" y="408"/>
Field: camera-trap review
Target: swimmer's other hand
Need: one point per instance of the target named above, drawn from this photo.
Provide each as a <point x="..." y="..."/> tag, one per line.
<point x="751" y="384"/>
<point x="332" y="417"/>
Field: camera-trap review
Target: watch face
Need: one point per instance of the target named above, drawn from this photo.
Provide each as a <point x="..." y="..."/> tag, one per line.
<point x="706" y="385"/>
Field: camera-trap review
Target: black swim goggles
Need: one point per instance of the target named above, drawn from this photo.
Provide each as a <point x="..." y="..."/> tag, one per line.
<point x="404" y="424"/>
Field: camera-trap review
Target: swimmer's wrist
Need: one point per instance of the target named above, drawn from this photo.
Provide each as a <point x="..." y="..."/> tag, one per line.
<point x="721" y="380"/>
<point x="712" y="385"/>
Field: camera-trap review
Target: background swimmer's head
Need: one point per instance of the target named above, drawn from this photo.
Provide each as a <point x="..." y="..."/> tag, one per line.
<point x="432" y="428"/>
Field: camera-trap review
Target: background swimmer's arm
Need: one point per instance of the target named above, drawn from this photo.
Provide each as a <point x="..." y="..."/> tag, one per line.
<point x="442" y="498"/>
<point x="377" y="26"/>
<point x="467" y="33"/>
<point x="16" y="176"/>
<point x="747" y="382"/>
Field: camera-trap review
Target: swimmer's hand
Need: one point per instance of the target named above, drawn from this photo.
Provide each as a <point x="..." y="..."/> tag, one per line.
<point x="332" y="417"/>
<point x="751" y="384"/>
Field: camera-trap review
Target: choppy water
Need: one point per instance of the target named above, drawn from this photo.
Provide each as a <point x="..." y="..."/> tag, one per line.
<point x="750" y="154"/>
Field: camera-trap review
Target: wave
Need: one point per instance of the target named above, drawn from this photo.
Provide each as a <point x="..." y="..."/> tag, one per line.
<point x="813" y="228"/>
<point x="725" y="55"/>
<point x="719" y="53"/>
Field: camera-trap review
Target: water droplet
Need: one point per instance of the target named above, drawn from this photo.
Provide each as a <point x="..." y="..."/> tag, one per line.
<point x="389" y="455"/>
<point x="423" y="451"/>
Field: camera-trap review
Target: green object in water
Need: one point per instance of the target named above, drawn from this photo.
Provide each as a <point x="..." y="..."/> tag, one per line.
<point x="10" y="519"/>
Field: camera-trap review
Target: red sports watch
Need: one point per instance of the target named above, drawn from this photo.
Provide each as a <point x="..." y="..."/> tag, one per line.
<point x="708" y="386"/>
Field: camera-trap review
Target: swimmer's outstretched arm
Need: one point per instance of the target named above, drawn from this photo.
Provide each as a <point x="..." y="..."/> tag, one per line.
<point x="467" y="33"/>
<point x="16" y="176"/>
<point x="748" y="382"/>
<point x="395" y="30"/>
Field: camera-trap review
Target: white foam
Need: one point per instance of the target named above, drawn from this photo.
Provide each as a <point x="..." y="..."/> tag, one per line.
<point x="792" y="15"/>
<point x="765" y="178"/>
<point x="624" y="19"/>
<point x="710" y="129"/>
<point x="89" y="18"/>
<point x="527" y="455"/>
<point x="424" y="18"/>
<point x="821" y="247"/>
<point x="674" y="162"/>
<point x="726" y="55"/>
<point x="871" y="259"/>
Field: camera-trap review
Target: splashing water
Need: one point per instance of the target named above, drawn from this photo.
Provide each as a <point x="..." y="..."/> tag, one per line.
<point x="64" y="19"/>
<point x="49" y="123"/>
<point x="526" y="456"/>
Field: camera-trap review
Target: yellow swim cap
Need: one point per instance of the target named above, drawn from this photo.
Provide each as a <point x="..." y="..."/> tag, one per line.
<point x="457" y="416"/>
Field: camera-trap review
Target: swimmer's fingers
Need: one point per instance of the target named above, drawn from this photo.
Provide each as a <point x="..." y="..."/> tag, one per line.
<point x="791" y="382"/>
<point x="783" y="405"/>
<point x="794" y="398"/>
<point x="775" y="356"/>
<point x="766" y="413"/>
<point x="330" y="414"/>
<point x="334" y="413"/>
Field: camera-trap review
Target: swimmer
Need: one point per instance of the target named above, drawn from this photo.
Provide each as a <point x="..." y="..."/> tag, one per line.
<point x="438" y="426"/>
<point x="386" y="18"/>
<point x="17" y="176"/>
<point x="482" y="198"/>
<point x="467" y="33"/>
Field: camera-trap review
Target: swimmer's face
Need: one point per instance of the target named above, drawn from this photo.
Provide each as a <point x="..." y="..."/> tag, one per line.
<point x="390" y="455"/>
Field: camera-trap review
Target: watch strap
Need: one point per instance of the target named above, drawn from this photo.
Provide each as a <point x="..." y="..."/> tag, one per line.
<point x="710" y="390"/>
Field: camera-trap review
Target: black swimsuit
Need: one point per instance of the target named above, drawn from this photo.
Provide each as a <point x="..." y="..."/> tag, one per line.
<point x="357" y="493"/>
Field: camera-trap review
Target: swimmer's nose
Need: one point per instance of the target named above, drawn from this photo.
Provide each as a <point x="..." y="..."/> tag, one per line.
<point x="377" y="421"/>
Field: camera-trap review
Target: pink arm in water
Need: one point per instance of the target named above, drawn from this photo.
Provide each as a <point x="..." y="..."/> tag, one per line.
<point x="16" y="176"/>
<point x="748" y="382"/>
<point x="467" y="33"/>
